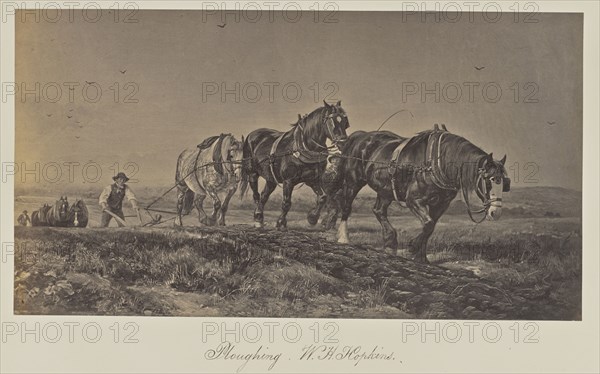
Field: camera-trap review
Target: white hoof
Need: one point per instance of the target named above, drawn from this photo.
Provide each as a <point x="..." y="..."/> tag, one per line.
<point x="343" y="241"/>
<point x="259" y="225"/>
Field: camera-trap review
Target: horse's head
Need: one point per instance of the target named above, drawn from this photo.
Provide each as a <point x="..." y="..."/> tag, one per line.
<point x="232" y="154"/>
<point x="336" y="123"/>
<point x="492" y="182"/>
<point x="78" y="214"/>
<point x="62" y="208"/>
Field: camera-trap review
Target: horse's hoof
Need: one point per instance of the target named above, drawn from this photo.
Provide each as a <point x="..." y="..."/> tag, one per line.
<point x="391" y="251"/>
<point x="421" y="260"/>
<point x="259" y="225"/>
<point x="404" y="252"/>
<point x="312" y="219"/>
<point x="343" y="241"/>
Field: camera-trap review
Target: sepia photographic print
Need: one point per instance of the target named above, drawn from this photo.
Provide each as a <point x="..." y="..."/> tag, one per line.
<point x="303" y="162"/>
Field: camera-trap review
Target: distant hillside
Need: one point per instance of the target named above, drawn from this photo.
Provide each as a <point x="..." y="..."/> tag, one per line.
<point x="520" y="202"/>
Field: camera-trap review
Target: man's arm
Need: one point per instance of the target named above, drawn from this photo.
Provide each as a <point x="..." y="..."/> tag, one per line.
<point x="103" y="199"/>
<point x="131" y="197"/>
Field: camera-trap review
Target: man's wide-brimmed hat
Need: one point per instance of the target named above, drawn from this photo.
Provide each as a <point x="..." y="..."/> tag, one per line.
<point x="120" y="175"/>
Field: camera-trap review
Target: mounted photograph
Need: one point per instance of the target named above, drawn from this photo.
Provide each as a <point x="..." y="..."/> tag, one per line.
<point x="287" y="164"/>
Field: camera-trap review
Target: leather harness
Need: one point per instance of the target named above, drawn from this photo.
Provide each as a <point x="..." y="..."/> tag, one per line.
<point x="299" y="150"/>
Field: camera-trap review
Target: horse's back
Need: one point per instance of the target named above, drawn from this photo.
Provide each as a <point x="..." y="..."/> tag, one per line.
<point x="262" y="135"/>
<point x="367" y="145"/>
<point x="185" y="163"/>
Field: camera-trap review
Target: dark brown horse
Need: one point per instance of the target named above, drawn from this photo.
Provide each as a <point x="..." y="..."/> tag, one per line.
<point x="78" y="214"/>
<point x="299" y="155"/>
<point x="424" y="173"/>
<point x="52" y="215"/>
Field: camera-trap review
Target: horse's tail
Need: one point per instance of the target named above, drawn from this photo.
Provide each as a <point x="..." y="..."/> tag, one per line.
<point x="188" y="201"/>
<point x="189" y="195"/>
<point x="178" y="180"/>
<point x="35" y="218"/>
<point x="83" y="214"/>
<point x="246" y="167"/>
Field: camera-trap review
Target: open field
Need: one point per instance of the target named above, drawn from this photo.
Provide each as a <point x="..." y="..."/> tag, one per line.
<point x="515" y="268"/>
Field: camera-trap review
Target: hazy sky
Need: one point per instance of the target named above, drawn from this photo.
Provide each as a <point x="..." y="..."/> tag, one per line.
<point x="171" y="57"/>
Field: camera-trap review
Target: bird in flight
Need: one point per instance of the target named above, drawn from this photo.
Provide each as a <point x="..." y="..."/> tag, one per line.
<point x="222" y="26"/>
<point x="122" y="71"/>
<point x="551" y="122"/>
<point x="69" y="116"/>
<point x="479" y="67"/>
<point x="49" y="115"/>
<point x="70" y="110"/>
<point x="77" y="136"/>
<point x="89" y="82"/>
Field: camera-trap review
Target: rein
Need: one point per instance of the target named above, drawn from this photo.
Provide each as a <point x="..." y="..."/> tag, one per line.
<point x="327" y="119"/>
<point x="442" y="181"/>
<point x="486" y="205"/>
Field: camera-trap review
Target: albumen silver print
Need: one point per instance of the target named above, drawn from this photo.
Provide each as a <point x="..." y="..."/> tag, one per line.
<point x="306" y="164"/>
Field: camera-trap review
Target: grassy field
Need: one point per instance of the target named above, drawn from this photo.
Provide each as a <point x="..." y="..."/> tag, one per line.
<point x="167" y="271"/>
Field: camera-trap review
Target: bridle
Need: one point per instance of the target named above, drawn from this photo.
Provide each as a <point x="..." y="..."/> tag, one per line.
<point x="231" y="169"/>
<point x="326" y="119"/>
<point x="482" y="191"/>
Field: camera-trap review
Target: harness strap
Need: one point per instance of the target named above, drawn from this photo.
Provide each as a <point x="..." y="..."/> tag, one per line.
<point x="195" y="170"/>
<point x="272" y="156"/>
<point x="394" y="165"/>
<point x="434" y="159"/>
<point x="300" y="148"/>
<point x="466" y="200"/>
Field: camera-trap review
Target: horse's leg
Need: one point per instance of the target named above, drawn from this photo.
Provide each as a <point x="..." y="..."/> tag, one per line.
<point x="260" y="206"/>
<point x="198" y="201"/>
<point x="429" y="215"/>
<point x="286" y="204"/>
<point x="225" y="205"/>
<point x="253" y="182"/>
<point x="345" y="199"/>
<point x="313" y="215"/>
<point x="390" y="237"/>
<point x="181" y="191"/>
<point x="212" y="219"/>
<point x="334" y="206"/>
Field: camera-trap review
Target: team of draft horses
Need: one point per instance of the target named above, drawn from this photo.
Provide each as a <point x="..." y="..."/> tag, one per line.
<point x="423" y="173"/>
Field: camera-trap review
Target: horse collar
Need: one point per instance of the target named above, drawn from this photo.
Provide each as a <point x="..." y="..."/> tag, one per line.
<point x="434" y="160"/>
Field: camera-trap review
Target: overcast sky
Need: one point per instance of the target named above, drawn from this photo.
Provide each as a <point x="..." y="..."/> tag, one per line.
<point x="173" y="57"/>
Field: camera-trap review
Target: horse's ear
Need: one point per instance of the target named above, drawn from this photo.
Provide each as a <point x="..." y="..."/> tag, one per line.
<point x="491" y="157"/>
<point x="242" y="139"/>
<point x="326" y="105"/>
<point x="339" y="103"/>
<point x="503" y="160"/>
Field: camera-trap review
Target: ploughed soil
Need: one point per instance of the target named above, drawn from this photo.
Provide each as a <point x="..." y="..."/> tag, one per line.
<point x="243" y="271"/>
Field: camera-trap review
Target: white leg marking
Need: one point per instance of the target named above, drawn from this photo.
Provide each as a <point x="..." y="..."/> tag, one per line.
<point x="343" y="233"/>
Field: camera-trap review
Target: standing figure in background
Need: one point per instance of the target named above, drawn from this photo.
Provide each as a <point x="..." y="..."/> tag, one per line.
<point x="24" y="219"/>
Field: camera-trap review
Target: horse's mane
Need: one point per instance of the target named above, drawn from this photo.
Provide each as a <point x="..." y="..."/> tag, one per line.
<point x="466" y="158"/>
<point x="460" y="156"/>
<point x="206" y="143"/>
<point x="314" y="118"/>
